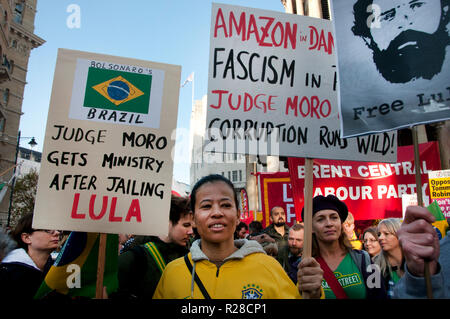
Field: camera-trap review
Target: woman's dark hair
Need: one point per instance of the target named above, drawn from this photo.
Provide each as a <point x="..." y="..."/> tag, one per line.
<point x="255" y="227"/>
<point x="211" y="179"/>
<point x="179" y="207"/>
<point x="372" y="230"/>
<point x="23" y="226"/>
<point x="241" y="225"/>
<point x="238" y="228"/>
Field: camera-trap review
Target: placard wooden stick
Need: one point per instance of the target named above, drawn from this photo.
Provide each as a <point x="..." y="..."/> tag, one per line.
<point x="101" y="266"/>
<point x="307" y="220"/>
<point x="420" y="203"/>
<point x="308" y="190"/>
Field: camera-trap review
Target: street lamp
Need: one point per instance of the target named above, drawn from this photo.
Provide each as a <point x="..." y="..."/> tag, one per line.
<point x="32" y="144"/>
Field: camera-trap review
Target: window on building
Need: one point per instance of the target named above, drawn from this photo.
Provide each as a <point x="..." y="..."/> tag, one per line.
<point x="6" y="96"/>
<point x="229" y="175"/>
<point x="240" y="175"/>
<point x="2" y="122"/>
<point x="18" y="12"/>
<point x="6" y="62"/>
<point x="37" y="157"/>
<point x="235" y="176"/>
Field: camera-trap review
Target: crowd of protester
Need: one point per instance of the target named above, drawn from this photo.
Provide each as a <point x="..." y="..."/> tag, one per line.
<point x="210" y="253"/>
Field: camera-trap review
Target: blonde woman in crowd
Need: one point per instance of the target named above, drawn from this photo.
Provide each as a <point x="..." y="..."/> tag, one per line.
<point x="390" y="259"/>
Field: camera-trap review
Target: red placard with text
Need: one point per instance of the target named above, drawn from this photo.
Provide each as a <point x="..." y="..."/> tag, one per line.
<point x="275" y="190"/>
<point x="370" y="190"/>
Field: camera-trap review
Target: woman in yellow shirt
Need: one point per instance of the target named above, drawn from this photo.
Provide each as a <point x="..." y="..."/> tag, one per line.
<point x="219" y="266"/>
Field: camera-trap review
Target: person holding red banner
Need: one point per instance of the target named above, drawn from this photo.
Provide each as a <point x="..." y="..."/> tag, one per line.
<point x="347" y="273"/>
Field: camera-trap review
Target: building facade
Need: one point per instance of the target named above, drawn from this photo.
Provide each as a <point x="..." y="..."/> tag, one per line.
<point x="27" y="161"/>
<point x="238" y="168"/>
<point x="232" y="166"/>
<point x="17" y="39"/>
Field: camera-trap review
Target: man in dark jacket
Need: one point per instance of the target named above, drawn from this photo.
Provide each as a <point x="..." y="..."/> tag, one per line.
<point x="295" y="241"/>
<point x="141" y="267"/>
<point x="279" y="231"/>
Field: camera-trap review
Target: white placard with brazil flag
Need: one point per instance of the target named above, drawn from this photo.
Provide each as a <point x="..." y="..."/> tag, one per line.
<point x="112" y="92"/>
<point x="107" y="161"/>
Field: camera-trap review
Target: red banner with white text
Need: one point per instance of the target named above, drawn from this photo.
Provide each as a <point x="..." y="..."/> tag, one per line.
<point x="370" y="190"/>
<point x="275" y="190"/>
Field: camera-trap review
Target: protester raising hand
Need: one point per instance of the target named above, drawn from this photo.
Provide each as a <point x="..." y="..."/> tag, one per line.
<point x="419" y="240"/>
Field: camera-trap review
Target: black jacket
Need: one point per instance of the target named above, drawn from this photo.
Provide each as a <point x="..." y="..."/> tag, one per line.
<point x="20" y="280"/>
<point x="282" y="243"/>
<point x="362" y="260"/>
<point x="138" y="273"/>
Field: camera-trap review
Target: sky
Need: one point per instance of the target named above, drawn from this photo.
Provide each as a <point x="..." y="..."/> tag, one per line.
<point x="166" y="31"/>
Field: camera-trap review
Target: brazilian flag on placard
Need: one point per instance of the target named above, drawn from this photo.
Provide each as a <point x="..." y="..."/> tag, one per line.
<point x="80" y="252"/>
<point x="118" y="90"/>
<point x="440" y="224"/>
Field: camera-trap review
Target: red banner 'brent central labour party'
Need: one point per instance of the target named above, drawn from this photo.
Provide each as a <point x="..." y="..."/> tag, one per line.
<point x="370" y="190"/>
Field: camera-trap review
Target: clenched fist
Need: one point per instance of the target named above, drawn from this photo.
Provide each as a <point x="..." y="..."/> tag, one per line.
<point x="419" y="240"/>
<point x="310" y="277"/>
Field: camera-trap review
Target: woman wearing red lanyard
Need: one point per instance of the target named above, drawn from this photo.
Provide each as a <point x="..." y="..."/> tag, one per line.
<point x="348" y="273"/>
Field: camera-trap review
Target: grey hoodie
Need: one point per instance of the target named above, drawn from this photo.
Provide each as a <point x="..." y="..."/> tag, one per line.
<point x="245" y="248"/>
